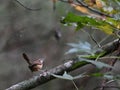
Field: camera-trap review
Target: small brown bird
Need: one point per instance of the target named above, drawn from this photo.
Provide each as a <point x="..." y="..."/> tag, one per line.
<point x="36" y="65"/>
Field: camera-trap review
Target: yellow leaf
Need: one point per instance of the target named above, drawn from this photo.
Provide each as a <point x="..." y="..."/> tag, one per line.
<point x="90" y="2"/>
<point x="118" y="26"/>
<point x="81" y="8"/>
<point x="107" y="29"/>
<point x="99" y="3"/>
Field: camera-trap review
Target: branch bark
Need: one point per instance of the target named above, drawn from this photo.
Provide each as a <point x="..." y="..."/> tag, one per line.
<point x="80" y="2"/>
<point x="46" y="76"/>
<point x="93" y="10"/>
<point x="71" y="65"/>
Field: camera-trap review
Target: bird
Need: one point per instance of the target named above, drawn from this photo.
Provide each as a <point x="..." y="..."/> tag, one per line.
<point x="34" y="66"/>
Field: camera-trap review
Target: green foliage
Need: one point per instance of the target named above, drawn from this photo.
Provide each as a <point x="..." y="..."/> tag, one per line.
<point x="97" y="74"/>
<point x="85" y="21"/>
<point x="66" y="76"/>
<point x="98" y="64"/>
<point x="93" y="56"/>
<point x="104" y="21"/>
<point x="79" y="20"/>
<point x="87" y="49"/>
<point x="108" y="75"/>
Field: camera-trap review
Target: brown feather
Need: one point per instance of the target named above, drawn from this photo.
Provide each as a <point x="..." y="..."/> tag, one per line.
<point x="26" y="58"/>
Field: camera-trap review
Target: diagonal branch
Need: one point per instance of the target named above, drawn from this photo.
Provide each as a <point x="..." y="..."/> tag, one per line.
<point x="93" y="10"/>
<point x="71" y="65"/>
<point x="27" y="8"/>
<point x="89" y="8"/>
<point x="46" y="76"/>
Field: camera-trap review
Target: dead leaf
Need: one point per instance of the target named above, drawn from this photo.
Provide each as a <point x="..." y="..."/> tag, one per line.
<point x="99" y="3"/>
<point x="80" y="8"/>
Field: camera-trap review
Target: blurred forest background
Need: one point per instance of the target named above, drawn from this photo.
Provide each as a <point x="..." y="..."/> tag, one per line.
<point x="32" y="32"/>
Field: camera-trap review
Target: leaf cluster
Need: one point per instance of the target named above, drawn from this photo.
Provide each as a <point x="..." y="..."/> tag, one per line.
<point x="108" y="26"/>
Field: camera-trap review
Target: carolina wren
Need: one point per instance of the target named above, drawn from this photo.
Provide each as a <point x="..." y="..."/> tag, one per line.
<point x="36" y="65"/>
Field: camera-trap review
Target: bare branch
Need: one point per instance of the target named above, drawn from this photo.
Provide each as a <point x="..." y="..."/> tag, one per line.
<point x="96" y="88"/>
<point x="93" y="10"/>
<point x="111" y="47"/>
<point x="46" y="76"/>
<point x="31" y="9"/>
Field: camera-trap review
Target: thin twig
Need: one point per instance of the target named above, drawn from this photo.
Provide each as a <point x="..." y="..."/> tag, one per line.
<point x="64" y="1"/>
<point x="92" y="38"/>
<point x="110" y="57"/>
<point x="103" y="40"/>
<point x="31" y="9"/>
<point x="75" y="85"/>
<point x="106" y="87"/>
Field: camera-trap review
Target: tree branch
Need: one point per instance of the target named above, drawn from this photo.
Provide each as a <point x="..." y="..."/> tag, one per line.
<point x="46" y="76"/>
<point x="111" y="47"/>
<point x="71" y="65"/>
<point x="93" y="10"/>
<point x="27" y="8"/>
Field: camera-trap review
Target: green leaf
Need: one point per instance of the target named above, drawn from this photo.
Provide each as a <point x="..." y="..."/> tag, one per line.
<point x="97" y="74"/>
<point x="79" y="20"/>
<point x="98" y="64"/>
<point x="64" y="76"/>
<point x="68" y="77"/>
<point x="92" y="56"/>
<point x="83" y="21"/>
